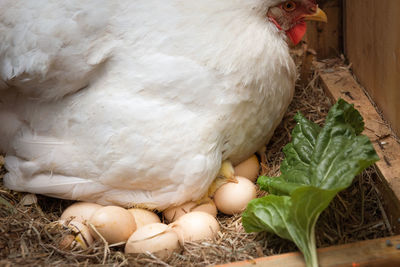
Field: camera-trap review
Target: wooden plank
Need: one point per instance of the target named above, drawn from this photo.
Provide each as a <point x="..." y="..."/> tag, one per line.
<point x="341" y="84"/>
<point x="372" y="36"/>
<point x="326" y="38"/>
<point x="365" y="253"/>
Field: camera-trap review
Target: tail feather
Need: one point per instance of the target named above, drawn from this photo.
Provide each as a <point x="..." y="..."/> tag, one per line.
<point x="76" y="188"/>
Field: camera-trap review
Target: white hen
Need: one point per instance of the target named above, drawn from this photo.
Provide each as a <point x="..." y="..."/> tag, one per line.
<point x="138" y="102"/>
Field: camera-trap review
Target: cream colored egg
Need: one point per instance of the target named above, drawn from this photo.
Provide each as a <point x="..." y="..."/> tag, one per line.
<point x="174" y="213"/>
<point x="143" y="217"/>
<point x="114" y="223"/>
<point x="196" y="225"/>
<point x="155" y="238"/>
<point x="80" y="211"/>
<point x="248" y="168"/>
<point x="80" y="235"/>
<point x="232" y="198"/>
<point x="67" y="242"/>
<point x="208" y="207"/>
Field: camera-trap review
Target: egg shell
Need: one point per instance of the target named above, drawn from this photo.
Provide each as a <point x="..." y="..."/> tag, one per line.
<point x="196" y="225"/>
<point x="174" y="213"/>
<point x="114" y="223"/>
<point x="80" y="211"/>
<point x="208" y="207"/>
<point x="156" y="238"/>
<point x="84" y="238"/>
<point x="144" y="217"/>
<point x="81" y="235"/>
<point x="67" y="242"/>
<point x="248" y="168"/>
<point x="232" y="198"/>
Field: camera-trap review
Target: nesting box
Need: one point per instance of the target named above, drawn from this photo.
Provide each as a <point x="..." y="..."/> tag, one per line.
<point x="367" y="33"/>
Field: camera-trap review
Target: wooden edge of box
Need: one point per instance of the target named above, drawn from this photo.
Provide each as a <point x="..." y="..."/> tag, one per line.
<point x="340" y="83"/>
<point x="376" y="252"/>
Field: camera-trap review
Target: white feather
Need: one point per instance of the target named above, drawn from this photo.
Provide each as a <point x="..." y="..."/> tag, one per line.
<point x="137" y="101"/>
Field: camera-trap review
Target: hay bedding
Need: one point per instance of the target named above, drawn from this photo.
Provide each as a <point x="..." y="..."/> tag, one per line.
<point x="29" y="236"/>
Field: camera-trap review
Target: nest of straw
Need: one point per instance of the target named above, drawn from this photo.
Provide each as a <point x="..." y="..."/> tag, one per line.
<point x="29" y="236"/>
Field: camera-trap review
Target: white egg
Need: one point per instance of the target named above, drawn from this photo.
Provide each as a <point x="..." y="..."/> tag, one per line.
<point x="173" y="213"/>
<point x="208" y="207"/>
<point x="156" y="238"/>
<point x="143" y="217"/>
<point x="196" y="225"/>
<point x="114" y="223"/>
<point x="80" y="211"/>
<point x="232" y="198"/>
<point x="81" y="235"/>
<point x="248" y="168"/>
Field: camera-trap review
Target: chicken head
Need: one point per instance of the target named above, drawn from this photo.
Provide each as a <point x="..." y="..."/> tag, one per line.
<point x="290" y="16"/>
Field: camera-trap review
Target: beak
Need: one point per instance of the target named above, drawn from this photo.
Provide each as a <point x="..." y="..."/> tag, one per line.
<point x="319" y="15"/>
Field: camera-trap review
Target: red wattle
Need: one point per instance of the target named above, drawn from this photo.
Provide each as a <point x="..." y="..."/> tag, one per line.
<point x="297" y="32"/>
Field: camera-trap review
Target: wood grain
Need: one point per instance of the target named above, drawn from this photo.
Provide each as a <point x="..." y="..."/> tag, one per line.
<point x="372" y="35"/>
<point x="370" y="253"/>
<point x="326" y="38"/>
<point x="341" y="84"/>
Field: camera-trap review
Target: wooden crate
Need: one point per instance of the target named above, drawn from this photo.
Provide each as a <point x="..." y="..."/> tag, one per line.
<point x="327" y="39"/>
<point x="377" y="253"/>
<point x="340" y="83"/>
<point x="367" y="32"/>
<point x="372" y="45"/>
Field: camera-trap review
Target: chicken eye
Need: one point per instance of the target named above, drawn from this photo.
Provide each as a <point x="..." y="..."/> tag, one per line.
<point x="289" y="6"/>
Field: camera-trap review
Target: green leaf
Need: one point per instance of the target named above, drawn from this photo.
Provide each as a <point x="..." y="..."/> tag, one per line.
<point x="307" y="205"/>
<point x="277" y="185"/>
<point x="346" y="113"/>
<point x="298" y="153"/>
<point x="285" y="216"/>
<point x="340" y="153"/>
<point x="318" y="164"/>
<point x="269" y="213"/>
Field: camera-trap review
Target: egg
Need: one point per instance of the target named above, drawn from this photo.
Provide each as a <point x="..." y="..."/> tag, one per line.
<point x="143" y="217"/>
<point x="67" y="242"/>
<point x="80" y="211"/>
<point x="248" y="168"/>
<point x="114" y="224"/>
<point x="208" y="207"/>
<point x="173" y="213"/>
<point x="156" y="238"/>
<point x="81" y="235"/>
<point x="232" y="198"/>
<point x="196" y="225"/>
